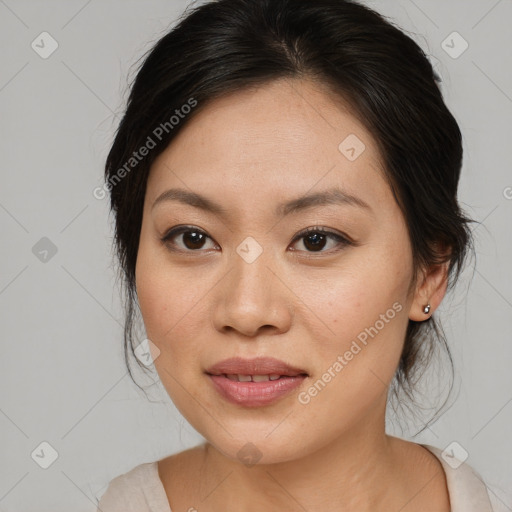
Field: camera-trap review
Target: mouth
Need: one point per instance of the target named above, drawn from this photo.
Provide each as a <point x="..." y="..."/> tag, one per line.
<point x="254" y="382"/>
<point x="256" y="378"/>
<point x="256" y="367"/>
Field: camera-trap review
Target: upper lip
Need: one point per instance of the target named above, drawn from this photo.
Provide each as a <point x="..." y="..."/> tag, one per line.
<point x="256" y="366"/>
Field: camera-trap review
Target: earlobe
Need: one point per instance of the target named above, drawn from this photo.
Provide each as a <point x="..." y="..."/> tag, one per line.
<point x="420" y="312"/>
<point x="430" y="293"/>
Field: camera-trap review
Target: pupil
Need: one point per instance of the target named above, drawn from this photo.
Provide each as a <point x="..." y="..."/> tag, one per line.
<point x="318" y="241"/>
<point x="190" y="242"/>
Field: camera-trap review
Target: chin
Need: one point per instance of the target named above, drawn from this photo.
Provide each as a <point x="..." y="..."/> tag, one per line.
<point x="255" y="447"/>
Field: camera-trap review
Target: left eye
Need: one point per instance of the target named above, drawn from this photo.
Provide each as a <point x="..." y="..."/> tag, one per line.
<point x="315" y="239"/>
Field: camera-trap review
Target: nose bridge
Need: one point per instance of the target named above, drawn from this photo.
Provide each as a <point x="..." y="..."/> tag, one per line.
<point x="251" y="276"/>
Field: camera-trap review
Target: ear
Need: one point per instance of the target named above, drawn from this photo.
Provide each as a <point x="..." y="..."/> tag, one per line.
<point x="431" y="289"/>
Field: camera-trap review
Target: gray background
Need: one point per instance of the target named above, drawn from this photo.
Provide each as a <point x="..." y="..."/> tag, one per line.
<point x="62" y="372"/>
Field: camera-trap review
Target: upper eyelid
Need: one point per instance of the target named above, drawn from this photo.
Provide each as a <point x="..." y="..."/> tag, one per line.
<point x="181" y="229"/>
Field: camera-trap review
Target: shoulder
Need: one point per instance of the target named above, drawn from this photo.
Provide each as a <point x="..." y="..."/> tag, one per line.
<point x="138" y="490"/>
<point x="466" y="487"/>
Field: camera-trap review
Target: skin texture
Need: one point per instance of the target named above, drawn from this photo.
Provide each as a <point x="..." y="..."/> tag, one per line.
<point x="249" y="151"/>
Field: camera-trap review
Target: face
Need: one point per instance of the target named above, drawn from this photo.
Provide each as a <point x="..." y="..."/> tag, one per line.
<point x="246" y="280"/>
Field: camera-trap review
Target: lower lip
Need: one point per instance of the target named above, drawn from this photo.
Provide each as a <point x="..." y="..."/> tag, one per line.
<point x="255" y="394"/>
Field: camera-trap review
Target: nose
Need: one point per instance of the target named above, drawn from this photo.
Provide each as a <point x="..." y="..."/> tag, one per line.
<point x="252" y="298"/>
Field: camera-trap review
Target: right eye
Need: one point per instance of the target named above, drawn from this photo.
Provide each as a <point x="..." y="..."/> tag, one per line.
<point x="192" y="239"/>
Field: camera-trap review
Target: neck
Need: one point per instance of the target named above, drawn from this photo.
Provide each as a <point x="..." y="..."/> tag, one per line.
<point x="356" y="472"/>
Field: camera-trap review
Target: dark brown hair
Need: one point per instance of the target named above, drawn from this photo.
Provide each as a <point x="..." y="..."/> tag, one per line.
<point x="227" y="45"/>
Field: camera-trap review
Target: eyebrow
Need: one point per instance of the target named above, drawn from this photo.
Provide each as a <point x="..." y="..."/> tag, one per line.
<point x="331" y="196"/>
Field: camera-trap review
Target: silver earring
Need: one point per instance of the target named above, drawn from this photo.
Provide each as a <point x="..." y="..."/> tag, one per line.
<point x="426" y="309"/>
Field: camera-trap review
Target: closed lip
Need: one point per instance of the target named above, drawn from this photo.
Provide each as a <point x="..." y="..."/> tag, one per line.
<point x="255" y="366"/>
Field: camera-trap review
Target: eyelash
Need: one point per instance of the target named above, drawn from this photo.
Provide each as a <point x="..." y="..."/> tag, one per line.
<point x="342" y="240"/>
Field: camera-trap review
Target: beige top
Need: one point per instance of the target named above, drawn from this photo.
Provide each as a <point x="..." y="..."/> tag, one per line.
<point x="141" y="490"/>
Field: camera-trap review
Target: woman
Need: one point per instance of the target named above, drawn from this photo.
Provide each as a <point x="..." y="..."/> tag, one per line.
<point x="284" y="183"/>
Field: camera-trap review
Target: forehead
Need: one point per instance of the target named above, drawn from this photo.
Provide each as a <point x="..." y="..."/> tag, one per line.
<point x="280" y="140"/>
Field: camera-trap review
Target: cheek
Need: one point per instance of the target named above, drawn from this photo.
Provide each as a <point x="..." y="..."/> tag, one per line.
<point x="174" y="302"/>
<point x="158" y="287"/>
<point x="364" y="319"/>
<point x="171" y="306"/>
<point x="357" y="357"/>
<point x="361" y="292"/>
